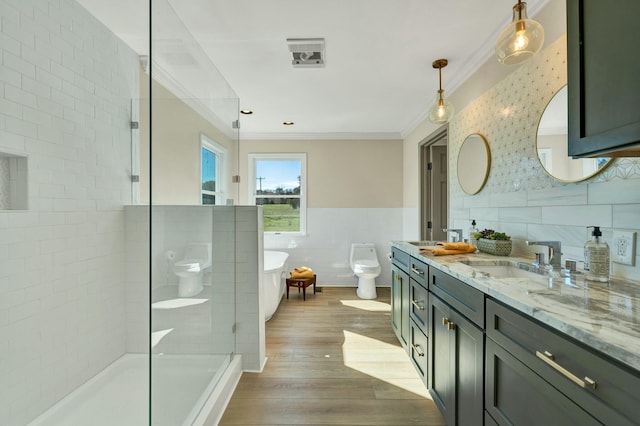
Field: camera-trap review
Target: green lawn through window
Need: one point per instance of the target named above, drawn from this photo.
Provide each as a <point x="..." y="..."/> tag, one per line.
<point x="281" y="218"/>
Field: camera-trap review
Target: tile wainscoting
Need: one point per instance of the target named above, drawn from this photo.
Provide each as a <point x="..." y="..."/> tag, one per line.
<point x="330" y="232"/>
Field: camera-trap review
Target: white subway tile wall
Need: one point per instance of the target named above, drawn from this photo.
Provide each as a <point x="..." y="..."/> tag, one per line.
<point x="66" y="85"/>
<point x="519" y="197"/>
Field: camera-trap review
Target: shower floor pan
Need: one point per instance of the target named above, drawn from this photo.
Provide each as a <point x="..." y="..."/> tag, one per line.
<point x="119" y="394"/>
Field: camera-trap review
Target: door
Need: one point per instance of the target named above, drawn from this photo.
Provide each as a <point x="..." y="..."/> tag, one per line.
<point x="441" y="360"/>
<point x="433" y="186"/>
<point x="469" y="372"/>
<point x="400" y="304"/>
<point x="439" y="191"/>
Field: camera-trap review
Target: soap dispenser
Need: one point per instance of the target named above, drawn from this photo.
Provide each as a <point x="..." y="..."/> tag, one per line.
<point x="472" y="233"/>
<point x="596" y="257"/>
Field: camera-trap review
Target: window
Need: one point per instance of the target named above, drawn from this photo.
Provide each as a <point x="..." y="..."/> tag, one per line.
<point x="213" y="171"/>
<point x="277" y="182"/>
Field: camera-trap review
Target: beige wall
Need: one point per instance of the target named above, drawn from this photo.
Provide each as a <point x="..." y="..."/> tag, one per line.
<point x="176" y="148"/>
<point x="340" y="173"/>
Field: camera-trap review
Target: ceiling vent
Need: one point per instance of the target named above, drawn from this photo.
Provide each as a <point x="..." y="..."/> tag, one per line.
<point x="306" y="52"/>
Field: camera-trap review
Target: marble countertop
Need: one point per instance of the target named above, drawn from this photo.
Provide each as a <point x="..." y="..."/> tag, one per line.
<point x="604" y="316"/>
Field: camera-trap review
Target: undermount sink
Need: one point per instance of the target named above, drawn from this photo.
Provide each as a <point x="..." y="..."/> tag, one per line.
<point x="423" y="243"/>
<point x="505" y="268"/>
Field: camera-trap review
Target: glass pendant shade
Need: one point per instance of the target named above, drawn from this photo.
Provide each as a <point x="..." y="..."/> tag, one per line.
<point x="441" y="110"/>
<point x="521" y="39"/>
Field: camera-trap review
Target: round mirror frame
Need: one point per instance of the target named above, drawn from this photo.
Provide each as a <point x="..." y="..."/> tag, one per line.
<point x="471" y="169"/>
<point x="542" y="162"/>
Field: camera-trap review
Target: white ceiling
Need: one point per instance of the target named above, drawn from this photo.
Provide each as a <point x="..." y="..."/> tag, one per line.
<point x="377" y="82"/>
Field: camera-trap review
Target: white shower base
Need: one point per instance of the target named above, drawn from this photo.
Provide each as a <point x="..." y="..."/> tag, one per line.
<point x="119" y="395"/>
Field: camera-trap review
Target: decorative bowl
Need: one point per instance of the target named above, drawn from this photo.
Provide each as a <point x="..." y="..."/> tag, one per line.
<point x="495" y="247"/>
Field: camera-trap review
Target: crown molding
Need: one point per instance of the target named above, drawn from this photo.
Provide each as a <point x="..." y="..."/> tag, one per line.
<point x="471" y="65"/>
<point x="320" y="136"/>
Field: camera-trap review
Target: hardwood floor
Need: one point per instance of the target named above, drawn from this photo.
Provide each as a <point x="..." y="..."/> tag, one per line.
<point x="332" y="360"/>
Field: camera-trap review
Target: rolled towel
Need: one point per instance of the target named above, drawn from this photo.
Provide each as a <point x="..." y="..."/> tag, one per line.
<point x="455" y="246"/>
<point x="441" y="251"/>
<point x="302" y="272"/>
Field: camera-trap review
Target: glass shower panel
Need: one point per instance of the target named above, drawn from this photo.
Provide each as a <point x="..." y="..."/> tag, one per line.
<point x="192" y="247"/>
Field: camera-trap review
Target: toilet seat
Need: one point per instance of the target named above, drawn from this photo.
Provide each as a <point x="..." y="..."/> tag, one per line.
<point x="188" y="265"/>
<point x="365" y="266"/>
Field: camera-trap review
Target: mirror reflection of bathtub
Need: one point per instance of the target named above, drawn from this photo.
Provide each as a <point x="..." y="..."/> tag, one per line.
<point x="274" y="275"/>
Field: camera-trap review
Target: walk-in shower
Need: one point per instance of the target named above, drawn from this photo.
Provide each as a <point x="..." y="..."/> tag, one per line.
<point x="103" y="189"/>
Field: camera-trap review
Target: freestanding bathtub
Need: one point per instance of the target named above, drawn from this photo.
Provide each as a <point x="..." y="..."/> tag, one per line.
<point x="275" y="268"/>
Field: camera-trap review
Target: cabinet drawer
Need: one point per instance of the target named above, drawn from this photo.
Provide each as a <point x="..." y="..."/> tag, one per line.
<point x="515" y="395"/>
<point x="400" y="259"/>
<point x="419" y="271"/>
<point x="419" y="304"/>
<point x="418" y="351"/>
<point x="462" y="297"/>
<point x="614" y="399"/>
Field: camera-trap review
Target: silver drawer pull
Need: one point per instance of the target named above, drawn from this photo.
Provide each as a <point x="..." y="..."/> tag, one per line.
<point x="416" y="271"/>
<point x="548" y="358"/>
<point x="417" y="304"/>
<point x="417" y="349"/>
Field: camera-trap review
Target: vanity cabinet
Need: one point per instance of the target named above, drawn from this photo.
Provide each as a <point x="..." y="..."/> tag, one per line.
<point x="418" y="316"/>
<point x="456" y="351"/>
<point x="485" y="362"/>
<point x="604" y="88"/>
<point x="535" y="374"/>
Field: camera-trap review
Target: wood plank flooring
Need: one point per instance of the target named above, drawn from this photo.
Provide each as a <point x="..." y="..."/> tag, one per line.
<point x="332" y="360"/>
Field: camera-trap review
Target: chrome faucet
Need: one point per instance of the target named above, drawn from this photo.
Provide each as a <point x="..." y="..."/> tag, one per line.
<point x="457" y="231"/>
<point x="554" y="256"/>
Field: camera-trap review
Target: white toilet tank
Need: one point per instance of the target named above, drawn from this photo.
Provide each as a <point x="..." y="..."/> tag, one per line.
<point x="200" y="252"/>
<point x="363" y="252"/>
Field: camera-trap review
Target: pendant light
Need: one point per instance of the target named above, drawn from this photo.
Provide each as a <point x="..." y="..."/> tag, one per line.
<point x="441" y="110"/>
<point x="521" y="39"/>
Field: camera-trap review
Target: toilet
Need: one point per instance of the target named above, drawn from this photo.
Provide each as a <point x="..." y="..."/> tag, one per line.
<point x="197" y="258"/>
<point x="364" y="264"/>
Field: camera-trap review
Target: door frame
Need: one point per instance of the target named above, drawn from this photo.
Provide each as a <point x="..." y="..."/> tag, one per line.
<point x="426" y="182"/>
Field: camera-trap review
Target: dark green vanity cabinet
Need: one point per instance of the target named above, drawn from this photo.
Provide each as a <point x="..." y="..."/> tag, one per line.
<point x="487" y="363"/>
<point x="409" y="303"/>
<point x="536" y="375"/>
<point x="456" y="349"/>
<point x="418" y="316"/>
<point x="603" y="79"/>
<point x="400" y="295"/>
<point x="419" y="295"/>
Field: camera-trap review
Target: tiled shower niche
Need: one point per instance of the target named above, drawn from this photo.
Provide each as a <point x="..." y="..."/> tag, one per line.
<point x="13" y="182"/>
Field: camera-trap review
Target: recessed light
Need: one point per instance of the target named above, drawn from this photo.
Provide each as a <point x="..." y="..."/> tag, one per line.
<point x="288" y="123"/>
<point x="246" y="111"/>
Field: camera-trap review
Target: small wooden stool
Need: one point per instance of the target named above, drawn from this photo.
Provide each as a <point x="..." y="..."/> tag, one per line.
<point x="302" y="283"/>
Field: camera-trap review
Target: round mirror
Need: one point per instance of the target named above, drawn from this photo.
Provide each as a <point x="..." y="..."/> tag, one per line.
<point x="552" y="143"/>
<point x="474" y="160"/>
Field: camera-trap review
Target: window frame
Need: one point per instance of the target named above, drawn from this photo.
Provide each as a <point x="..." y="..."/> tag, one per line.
<point x="253" y="187"/>
<point x="222" y="155"/>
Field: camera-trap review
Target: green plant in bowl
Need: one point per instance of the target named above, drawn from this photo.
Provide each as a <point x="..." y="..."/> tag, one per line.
<point x="490" y="234"/>
<point x="492" y="242"/>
